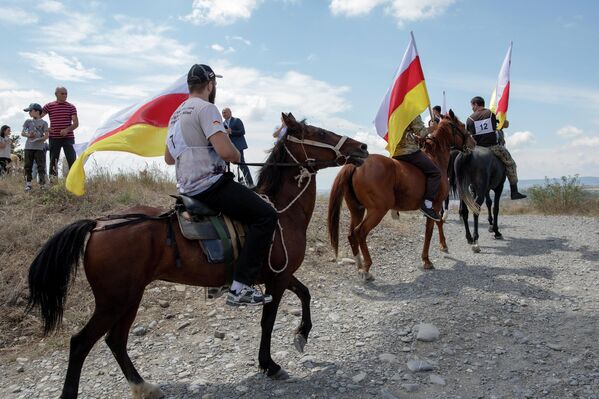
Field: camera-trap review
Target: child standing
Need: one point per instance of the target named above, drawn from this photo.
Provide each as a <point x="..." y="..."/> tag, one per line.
<point x="36" y="131"/>
<point x="5" y="149"/>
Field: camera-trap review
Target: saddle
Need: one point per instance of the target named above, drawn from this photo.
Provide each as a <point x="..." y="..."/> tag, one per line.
<point x="220" y="237"/>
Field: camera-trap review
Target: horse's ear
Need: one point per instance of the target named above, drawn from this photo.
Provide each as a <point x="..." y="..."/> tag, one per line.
<point x="451" y="114"/>
<point x="289" y="119"/>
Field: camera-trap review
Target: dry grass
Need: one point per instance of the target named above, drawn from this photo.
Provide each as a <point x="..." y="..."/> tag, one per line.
<point x="29" y="219"/>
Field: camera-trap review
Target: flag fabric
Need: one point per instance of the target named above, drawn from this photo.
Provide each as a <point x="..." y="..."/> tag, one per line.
<point x="139" y="129"/>
<point x="405" y="100"/>
<point x="444" y="109"/>
<point x="501" y="95"/>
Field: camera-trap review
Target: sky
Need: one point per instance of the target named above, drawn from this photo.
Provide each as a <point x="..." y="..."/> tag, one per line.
<point x="330" y="61"/>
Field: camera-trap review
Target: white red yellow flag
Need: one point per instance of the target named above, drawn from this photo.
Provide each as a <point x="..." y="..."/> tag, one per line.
<point x="405" y="100"/>
<point x="139" y="129"/>
<point x="501" y="95"/>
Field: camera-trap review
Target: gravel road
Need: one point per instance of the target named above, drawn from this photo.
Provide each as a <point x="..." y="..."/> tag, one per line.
<point x="518" y="320"/>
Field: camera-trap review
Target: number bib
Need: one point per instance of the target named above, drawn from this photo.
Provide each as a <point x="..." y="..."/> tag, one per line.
<point x="483" y="126"/>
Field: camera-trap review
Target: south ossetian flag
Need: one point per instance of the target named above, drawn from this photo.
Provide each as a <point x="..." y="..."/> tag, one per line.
<point x="139" y="129"/>
<point x="405" y="100"/>
<point x="501" y="95"/>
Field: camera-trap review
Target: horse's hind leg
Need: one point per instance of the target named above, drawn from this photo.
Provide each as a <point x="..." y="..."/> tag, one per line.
<point x="302" y="331"/>
<point x="81" y="344"/>
<point x="489" y="203"/>
<point x="357" y="215"/>
<point x="117" y="342"/>
<point x="498" y="235"/>
<point x="372" y="219"/>
<point x="464" y="215"/>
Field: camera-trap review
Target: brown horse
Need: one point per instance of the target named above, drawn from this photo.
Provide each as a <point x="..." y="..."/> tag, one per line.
<point x="120" y="263"/>
<point x="384" y="183"/>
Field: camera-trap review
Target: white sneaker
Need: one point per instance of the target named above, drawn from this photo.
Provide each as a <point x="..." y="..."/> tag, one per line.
<point x="248" y="296"/>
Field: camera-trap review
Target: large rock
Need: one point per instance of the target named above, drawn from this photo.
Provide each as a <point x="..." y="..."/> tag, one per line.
<point x="427" y="332"/>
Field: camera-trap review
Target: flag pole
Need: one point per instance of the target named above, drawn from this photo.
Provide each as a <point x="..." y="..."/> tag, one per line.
<point x="430" y="110"/>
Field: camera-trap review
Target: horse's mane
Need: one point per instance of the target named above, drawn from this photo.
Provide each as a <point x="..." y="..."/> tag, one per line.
<point x="270" y="175"/>
<point x="441" y="134"/>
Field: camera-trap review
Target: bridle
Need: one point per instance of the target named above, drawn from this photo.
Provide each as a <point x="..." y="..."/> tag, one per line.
<point x="455" y="131"/>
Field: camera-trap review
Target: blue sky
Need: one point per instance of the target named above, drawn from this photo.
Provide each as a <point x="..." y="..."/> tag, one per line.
<point x="329" y="61"/>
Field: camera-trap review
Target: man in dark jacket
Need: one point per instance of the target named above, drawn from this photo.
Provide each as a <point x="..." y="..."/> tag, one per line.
<point x="236" y="132"/>
<point x="482" y="124"/>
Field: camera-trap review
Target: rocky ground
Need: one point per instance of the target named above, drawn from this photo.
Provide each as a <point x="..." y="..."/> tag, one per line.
<point x="518" y="320"/>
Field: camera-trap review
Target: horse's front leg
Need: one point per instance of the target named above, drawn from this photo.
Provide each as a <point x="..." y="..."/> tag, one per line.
<point x="489" y="204"/>
<point x="430" y="225"/>
<point x="276" y="287"/>
<point x="480" y="198"/>
<point x="302" y="331"/>
<point x="442" y="242"/>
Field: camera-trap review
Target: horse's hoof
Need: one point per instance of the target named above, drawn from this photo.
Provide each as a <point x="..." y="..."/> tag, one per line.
<point x="491" y="229"/>
<point x="498" y="236"/>
<point x="428" y="265"/>
<point x="365" y="276"/>
<point x="299" y="341"/>
<point x="444" y="249"/>
<point x="279" y="375"/>
<point x="476" y="249"/>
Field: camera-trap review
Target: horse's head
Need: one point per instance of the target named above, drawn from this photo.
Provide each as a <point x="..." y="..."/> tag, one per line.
<point x="319" y="147"/>
<point x="460" y="139"/>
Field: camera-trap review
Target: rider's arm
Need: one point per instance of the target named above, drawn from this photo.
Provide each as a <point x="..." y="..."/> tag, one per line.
<point x="224" y="147"/>
<point x="168" y="158"/>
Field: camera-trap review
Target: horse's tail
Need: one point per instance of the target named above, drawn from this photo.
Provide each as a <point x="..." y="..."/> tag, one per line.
<point x="461" y="182"/>
<point x="340" y="186"/>
<point x="53" y="269"/>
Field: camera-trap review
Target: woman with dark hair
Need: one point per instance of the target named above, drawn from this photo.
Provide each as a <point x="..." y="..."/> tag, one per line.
<point x="5" y="149"/>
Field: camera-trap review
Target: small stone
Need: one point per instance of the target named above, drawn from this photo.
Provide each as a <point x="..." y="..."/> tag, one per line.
<point x="437" y="379"/>
<point x="347" y="261"/>
<point x="295" y="312"/>
<point x="359" y="377"/>
<point x="163" y="303"/>
<point x="555" y="347"/>
<point x="20" y="369"/>
<point x="241" y="388"/>
<point x="388" y="357"/>
<point x="183" y="325"/>
<point x="212" y="313"/>
<point x="180" y="288"/>
<point x="427" y="332"/>
<point x="410" y="387"/>
<point x="152" y="324"/>
<point x="419" y="365"/>
<point x="219" y="334"/>
<point x="140" y="331"/>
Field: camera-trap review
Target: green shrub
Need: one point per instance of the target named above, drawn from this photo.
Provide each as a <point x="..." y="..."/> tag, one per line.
<point x="555" y="196"/>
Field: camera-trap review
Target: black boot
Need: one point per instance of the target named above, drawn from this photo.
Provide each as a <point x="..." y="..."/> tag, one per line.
<point x="515" y="195"/>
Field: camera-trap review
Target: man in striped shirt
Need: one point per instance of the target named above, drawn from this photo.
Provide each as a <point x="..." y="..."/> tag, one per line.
<point x="63" y="122"/>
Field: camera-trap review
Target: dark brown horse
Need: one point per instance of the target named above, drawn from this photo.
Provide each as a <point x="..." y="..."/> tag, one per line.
<point x="383" y="183"/>
<point x="119" y="263"/>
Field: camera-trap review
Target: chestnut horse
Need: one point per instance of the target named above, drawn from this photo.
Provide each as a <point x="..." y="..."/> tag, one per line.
<point x="384" y="183"/>
<point x="119" y="263"/>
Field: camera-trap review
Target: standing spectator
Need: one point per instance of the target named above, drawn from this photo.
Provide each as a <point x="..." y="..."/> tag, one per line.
<point x="280" y="131"/>
<point x="36" y="131"/>
<point x="36" y="167"/>
<point x="63" y="122"/>
<point x="436" y="115"/>
<point x="234" y="127"/>
<point x="5" y="149"/>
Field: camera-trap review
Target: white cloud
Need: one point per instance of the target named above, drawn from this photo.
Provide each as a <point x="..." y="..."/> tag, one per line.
<point x="402" y="10"/>
<point x="569" y="131"/>
<point x="125" y="92"/>
<point x="220" y="12"/>
<point x="17" y="16"/>
<point x="221" y="49"/>
<point x="7" y="84"/>
<point x="376" y="145"/>
<point x="240" y="39"/>
<point x="59" y="67"/>
<point x="51" y="6"/>
<point x="12" y="103"/>
<point x="589" y="141"/>
<point x="518" y="139"/>
<point x="534" y="163"/>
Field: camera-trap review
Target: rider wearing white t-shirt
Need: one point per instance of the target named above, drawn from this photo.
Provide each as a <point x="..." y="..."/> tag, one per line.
<point x="199" y="147"/>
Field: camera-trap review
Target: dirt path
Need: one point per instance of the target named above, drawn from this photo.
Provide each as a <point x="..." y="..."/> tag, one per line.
<point x="518" y="320"/>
